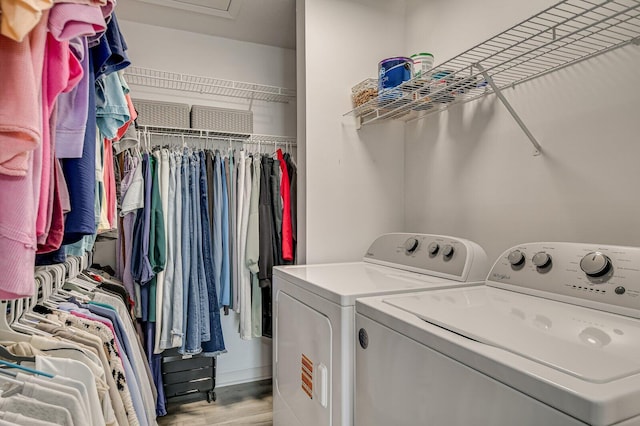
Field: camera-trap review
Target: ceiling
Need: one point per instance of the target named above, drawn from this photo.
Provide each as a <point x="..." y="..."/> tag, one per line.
<point x="270" y="22"/>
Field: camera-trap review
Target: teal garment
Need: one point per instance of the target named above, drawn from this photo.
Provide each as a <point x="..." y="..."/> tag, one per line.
<point x="112" y="111"/>
<point x="104" y="305"/>
<point x="157" y="238"/>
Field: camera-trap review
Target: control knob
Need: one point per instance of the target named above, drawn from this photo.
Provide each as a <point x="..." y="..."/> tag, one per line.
<point x="541" y="259"/>
<point x="516" y="258"/>
<point x="433" y="248"/>
<point x="447" y="251"/>
<point x="595" y="264"/>
<point x="411" y="245"/>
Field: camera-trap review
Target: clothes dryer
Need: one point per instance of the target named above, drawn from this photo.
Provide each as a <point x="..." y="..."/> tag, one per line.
<point x="314" y="317"/>
<point x="553" y="338"/>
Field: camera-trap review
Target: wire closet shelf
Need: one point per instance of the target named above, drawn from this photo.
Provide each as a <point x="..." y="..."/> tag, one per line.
<point x="202" y="136"/>
<point x="566" y="33"/>
<point x="206" y="85"/>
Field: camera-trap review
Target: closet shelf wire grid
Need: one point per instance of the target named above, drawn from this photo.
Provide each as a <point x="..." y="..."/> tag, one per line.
<point x="207" y="85"/>
<point x="566" y="33"/>
<point x="251" y="138"/>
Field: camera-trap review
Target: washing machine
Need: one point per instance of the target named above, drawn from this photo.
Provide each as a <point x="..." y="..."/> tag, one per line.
<point x="314" y="317"/>
<point x="552" y="338"/>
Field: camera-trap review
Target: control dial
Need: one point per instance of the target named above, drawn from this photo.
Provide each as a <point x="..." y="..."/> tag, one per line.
<point x="447" y="251"/>
<point x="433" y="248"/>
<point x="541" y="259"/>
<point x="516" y="258"/>
<point x="411" y="245"/>
<point x="595" y="264"/>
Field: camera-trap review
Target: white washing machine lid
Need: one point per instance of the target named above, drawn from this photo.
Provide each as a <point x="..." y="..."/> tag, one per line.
<point x="591" y="345"/>
<point x="343" y="283"/>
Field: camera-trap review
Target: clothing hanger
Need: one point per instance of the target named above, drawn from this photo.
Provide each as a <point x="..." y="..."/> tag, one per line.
<point x="5" y="354"/>
<point x="6" y="372"/>
<point x="43" y="292"/>
<point x="22" y="323"/>
<point x="6" y="332"/>
<point x="25" y="369"/>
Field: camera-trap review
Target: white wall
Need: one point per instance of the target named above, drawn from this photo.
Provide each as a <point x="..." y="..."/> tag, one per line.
<point x="197" y="54"/>
<point x="301" y="81"/>
<point x="470" y="171"/>
<point x="354" y="180"/>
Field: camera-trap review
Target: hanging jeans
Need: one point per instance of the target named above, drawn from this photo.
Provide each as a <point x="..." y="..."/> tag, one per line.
<point x="225" y="281"/>
<point x="215" y="345"/>
<point x="187" y="236"/>
<point x="192" y="336"/>
<point x="203" y="299"/>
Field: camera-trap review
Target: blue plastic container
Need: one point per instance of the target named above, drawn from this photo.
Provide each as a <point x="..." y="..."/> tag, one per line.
<point x="393" y="71"/>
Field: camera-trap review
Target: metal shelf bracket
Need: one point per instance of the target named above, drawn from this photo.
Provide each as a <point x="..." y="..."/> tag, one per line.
<point x="507" y="105"/>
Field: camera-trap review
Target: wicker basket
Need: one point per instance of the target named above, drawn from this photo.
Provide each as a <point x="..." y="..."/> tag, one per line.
<point x="162" y="114"/>
<point x="221" y="119"/>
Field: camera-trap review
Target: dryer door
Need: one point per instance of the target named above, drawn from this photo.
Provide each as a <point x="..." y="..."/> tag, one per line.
<point x="303" y="364"/>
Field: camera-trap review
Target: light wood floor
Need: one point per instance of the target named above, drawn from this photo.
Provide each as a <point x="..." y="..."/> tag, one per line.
<point x="245" y="404"/>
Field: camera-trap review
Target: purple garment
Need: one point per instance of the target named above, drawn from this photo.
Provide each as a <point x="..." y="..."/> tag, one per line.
<point x="73" y="108"/>
<point x="127" y="231"/>
<point x="140" y="266"/>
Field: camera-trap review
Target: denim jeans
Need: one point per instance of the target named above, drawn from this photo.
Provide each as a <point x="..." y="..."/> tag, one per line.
<point x="203" y="298"/>
<point x="215" y="345"/>
<point x="177" y="320"/>
<point x="186" y="247"/>
<point x="173" y="271"/>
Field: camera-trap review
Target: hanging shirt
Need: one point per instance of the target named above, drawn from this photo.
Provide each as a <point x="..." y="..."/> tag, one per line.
<point x="70" y="20"/>
<point x="20" y="98"/>
<point x="293" y="171"/>
<point x="285" y="188"/>
<point x="237" y="258"/>
<point x="81" y="179"/>
<point x="244" y="276"/>
<point x="73" y="109"/>
<point x="61" y="72"/>
<point x="110" y="54"/>
<point x="31" y="407"/>
<point x="253" y="249"/>
<point x="112" y="110"/>
<point x="20" y="17"/>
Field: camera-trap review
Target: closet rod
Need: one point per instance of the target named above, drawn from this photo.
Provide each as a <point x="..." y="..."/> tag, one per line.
<point x="245" y="138"/>
<point x="223" y="139"/>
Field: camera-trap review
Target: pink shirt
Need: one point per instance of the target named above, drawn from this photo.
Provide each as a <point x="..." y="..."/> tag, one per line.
<point x="20" y="122"/>
<point x="18" y="195"/>
<point x="61" y="72"/>
<point x="285" y="192"/>
<point x="70" y="20"/>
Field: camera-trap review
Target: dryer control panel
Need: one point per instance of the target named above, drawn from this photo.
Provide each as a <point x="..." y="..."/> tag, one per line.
<point x="599" y="276"/>
<point x="436" y="255"/>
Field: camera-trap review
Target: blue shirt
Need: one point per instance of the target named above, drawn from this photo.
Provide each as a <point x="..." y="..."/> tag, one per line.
<point x="110" y="54"/>
<point x="80" y="175"/>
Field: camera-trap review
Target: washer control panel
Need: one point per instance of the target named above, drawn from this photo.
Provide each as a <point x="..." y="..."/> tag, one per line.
<point x="589" y="272"/>
<point x="437" y="255"/>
